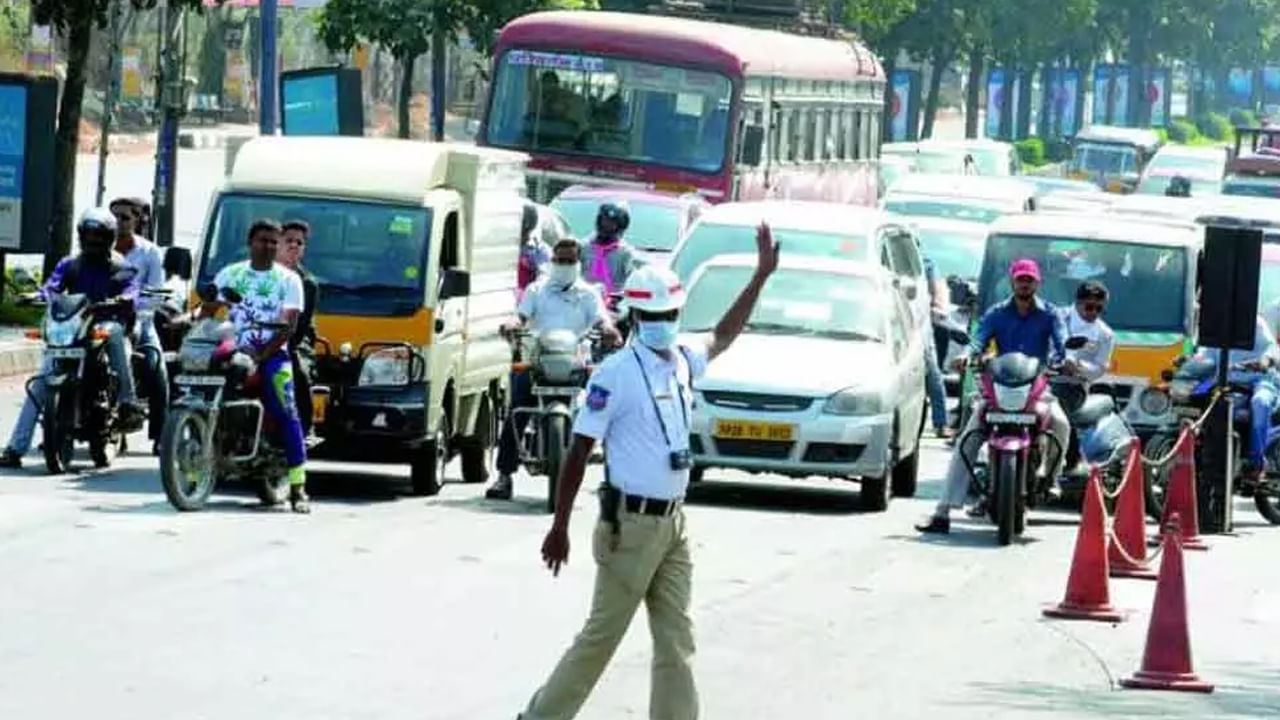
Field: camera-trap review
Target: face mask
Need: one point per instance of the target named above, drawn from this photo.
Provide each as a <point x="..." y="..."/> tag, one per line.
<point x="657" y="335"/>
<point x="564" y="274"/>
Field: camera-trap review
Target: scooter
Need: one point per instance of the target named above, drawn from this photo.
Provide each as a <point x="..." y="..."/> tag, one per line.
<point x="1099" y="436"/>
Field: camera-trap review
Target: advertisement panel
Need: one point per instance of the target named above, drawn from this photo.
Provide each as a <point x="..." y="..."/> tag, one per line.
<point x="131" y="74"/>
<point x="1158" y="99"/>
<point x="13" y="135"/>
<point x="1068" y="101"/>
<point x="310" y="104"/>
<point x="40" y="49"/>
<point x="1271" y="84"/>
<point x="233" y="82"/>
<point x="995" y="101"/>
<point x="900" y="106"/>
<point x="1120" y="98"/>
<point x="1240" y="87"/>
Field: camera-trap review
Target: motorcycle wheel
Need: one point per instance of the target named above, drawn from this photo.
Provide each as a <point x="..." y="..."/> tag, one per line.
<point x="187" y="479"/>
<point x="1006" y="482"/>
<point x="59" y="445"/>
<point x="555" y="439"/>
<point x="272" y="490"/>
<point x="1156" y="479"/>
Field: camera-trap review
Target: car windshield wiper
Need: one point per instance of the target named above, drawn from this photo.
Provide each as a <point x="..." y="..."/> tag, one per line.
<point x="846" y="335"/>
<point x="775" y="328"/>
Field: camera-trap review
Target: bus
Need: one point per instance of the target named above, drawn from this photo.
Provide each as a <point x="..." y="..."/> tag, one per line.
<point x="676" y="105"/>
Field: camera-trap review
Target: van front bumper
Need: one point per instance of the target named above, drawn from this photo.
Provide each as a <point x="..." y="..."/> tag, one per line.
<point x="388" y="413"/>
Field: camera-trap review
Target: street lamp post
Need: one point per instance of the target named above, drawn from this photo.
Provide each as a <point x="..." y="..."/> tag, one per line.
<point x="267" y="68"/>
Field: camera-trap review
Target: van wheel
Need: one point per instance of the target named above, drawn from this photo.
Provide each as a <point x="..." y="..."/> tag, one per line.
<point x="426" y="472"/>
<point x="477" y="451"/>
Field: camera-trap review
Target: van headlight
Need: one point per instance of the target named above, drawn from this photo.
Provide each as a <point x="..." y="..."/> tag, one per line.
<point x="1154" y="401"/>
<point x="854" y="401"/>
<point x="61" y="334"/>
<point x="392" y="366"/>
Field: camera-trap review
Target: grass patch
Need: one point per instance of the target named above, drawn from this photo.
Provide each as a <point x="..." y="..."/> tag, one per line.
<point x="12" y="313"/>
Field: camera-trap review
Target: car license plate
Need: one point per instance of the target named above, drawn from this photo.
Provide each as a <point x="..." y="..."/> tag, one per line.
<point x="65" y="353"/>
<point x="748" y="430"/>
<point x="319" y="405"/>
<point x="1000" y="418"/>
<point x="203" y="380"/>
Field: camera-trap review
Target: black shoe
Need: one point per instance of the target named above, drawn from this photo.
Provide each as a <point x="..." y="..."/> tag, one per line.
<point x="938" y="525"/>
<point x="501" y="488"/>
<point x="10" y="460"/>
<point x="298" y="500"/>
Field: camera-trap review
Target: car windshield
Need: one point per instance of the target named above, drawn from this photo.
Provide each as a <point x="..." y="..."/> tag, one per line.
<point x="709" y="240"/>
<point x="1147" y="283"/>
<point x="793" y="302"/>
<point x="1199" y="167"/>
<point x="990" y="161"/>
<point x="368" y="259"/>
<point x="653" y="226"/>
<point x="953" y="251"/>
<point x="1252" y="187"/>
<point x="1105" y="158"/>
<point x="1156" y="184"/>
<point x="611" y="108"/>
<point x="954" y="209"/>
<point x="937" y="161"/>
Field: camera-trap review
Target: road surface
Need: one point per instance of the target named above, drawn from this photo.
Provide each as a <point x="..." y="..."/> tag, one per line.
<point x="383" y="606"/>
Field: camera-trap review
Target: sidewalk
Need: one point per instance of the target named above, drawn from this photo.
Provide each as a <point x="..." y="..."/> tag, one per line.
<point x="18" y="355"/>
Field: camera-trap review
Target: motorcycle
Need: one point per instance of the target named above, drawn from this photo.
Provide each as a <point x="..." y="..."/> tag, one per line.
<point x="217" y="428"/>
<point x="1099" y="436"/>
<point x="559" y="365"/>
<point x="81" y="390"/>
<point x="1191" y="387"/>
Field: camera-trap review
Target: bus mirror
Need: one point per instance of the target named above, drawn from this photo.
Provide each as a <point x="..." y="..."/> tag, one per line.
<point x="752" y="145"/>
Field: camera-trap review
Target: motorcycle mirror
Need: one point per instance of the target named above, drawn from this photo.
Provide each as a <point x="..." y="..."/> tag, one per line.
<point x="1075" y="342"/>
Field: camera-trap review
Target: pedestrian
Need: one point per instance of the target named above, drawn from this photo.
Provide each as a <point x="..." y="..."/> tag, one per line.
<point x="934" y="384"/>
<point x="638" y="406"/>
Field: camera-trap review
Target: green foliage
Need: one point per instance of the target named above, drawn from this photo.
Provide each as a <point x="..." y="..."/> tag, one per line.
<point x="1056" y="151"/>
<point x="1215" y="126"/>
<point x="1243" y="117"/>
<point x="1183" y="131"/>
<point x="1031" y="151"/>
<point x="62" y="14"/>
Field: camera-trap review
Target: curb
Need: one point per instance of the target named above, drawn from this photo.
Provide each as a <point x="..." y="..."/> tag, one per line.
<point x="20" y="357"/>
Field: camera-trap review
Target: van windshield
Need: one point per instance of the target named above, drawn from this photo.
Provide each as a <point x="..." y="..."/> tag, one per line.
<point x="368" y="258"/>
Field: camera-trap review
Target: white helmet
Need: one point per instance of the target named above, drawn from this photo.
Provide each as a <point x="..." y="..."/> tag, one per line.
<point x="653" y="289"/>
<point x="98" y="218"/>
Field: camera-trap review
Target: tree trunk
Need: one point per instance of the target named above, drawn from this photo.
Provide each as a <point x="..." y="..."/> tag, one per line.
<point x="213" y="52"/>
<point x="941" y="58"/>
<point x="439" y="82"/>
<point x="406" y="95"/>
<point x="67" y="140"/>
<point x="886" y="122"/>
<point x="973" y="95"/>
<point x="1138" y="113"/>
<point x="1007" y="119"/>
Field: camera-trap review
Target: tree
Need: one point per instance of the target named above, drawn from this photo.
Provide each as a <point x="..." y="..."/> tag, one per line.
<point x="76" y="21"/>
<point x="409" y="28"/>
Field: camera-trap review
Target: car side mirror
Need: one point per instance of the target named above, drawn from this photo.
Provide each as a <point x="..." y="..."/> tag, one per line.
<point x="752" y="145"/>
<point x="177" y="262"/>
<point x="454" y="284"/>
<point x="1075" y="342"/>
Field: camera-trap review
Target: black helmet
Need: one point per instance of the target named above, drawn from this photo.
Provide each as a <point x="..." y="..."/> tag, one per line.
<point x="615" y="211"/>
<point x="1179" y="186"/>
<point x="528" y="219"/>
<point x="97" y="222"/>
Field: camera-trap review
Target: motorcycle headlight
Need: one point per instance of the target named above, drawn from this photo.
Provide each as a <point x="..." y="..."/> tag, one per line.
<point x="1154" y="401"/>
<point x="1012" y="399"/>
<point x="391" y="366"/>
<point x="1180" y="390"/>
<point x="61" y="334"/>
<point x="854" y="401"/>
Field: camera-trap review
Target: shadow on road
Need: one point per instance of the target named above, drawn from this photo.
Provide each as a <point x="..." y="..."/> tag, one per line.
<point x="775" y="498"/>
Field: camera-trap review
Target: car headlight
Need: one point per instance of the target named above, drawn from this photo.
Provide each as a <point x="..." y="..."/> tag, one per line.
<point x="391" y="366"/>
<point x="854" y="401"/>
<point x="1012" y="399"/>
<point x="1154" y="401"/>
<point x="61" y="334"/>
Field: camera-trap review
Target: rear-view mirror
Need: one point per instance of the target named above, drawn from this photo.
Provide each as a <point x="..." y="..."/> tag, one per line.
<point x="454" y="284"/>
<point x="1075" y="342"/>
<point x="177" y="263"/>
<point x="752" y="145"/>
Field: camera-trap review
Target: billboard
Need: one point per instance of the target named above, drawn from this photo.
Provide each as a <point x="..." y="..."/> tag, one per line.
<point x="1239" y="87"/>
<point x="1111" y="95"/>
<point x="904" y="109"/>
<point x="1063" y="103"/>
<point x="311" y="104"/>
<point x="1271" y="85"/>
<point x="131" y="74"/>
<point x="13" y="157"/>
<point x="1159" y="95"/>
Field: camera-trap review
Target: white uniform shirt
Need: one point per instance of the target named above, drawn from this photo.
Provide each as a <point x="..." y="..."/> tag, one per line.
<point x="620" y="413"/>
<point x="1095" y="357"/>
<point x="147" y="260"/>
<point x="549" y="306"/>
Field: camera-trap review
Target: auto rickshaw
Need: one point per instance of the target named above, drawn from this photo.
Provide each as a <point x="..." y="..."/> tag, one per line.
<point x="1112" y="157"/>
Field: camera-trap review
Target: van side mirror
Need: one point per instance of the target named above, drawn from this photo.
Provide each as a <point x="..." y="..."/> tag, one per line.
<point x="752" y="145"/>
<point x="177" y="262"/>
<point x="454" y="284"/>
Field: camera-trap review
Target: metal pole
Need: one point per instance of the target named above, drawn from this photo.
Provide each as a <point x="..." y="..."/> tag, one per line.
<point x="267" y="68"/>
<point x="113" y="92"/>
<point x="172" y="96"/>
<point x="1228" y="502"/>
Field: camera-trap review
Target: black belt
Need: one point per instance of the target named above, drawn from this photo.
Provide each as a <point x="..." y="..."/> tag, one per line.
<point x="639" y="505"/>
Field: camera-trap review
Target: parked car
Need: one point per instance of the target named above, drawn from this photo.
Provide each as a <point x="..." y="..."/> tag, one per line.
<point x="960" y="197"/>
<point x="990" y="157"/>
<point x="1254" y="175"/>
<point x="1204" y="167"/>
<point x="658" y="220"/>
<point x="826" y="379"/>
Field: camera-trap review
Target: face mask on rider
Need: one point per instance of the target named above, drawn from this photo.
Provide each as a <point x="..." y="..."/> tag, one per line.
<point x="657" y="334"/>
<point x="564" y="274"/>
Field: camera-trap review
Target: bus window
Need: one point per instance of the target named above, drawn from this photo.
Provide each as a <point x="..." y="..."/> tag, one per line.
<point x="810" y="135"/>
<point x="870" y="132"/>
<point x="826" y="126"/>
<point x="857" y="149"/>
<point x="841" y="132"/>
<point x="794" y="138"/>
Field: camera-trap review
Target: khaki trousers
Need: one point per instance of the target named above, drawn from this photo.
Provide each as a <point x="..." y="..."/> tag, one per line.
<point x="649" y="563"/>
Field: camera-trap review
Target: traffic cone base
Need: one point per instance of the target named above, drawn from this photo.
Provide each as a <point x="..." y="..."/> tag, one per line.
<point x="1183" y="682"/>
<point x="1064" y="611"/>
<point x="1088" y="594"/>
<point x="1136" y="572"/>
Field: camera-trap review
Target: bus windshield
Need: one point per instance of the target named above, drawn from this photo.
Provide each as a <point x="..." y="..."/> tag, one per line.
<point x="1147" y="283"/>
<point x="368" y="259"/>
<point x="1105" y="158"/>
<point x="611" y="108"/>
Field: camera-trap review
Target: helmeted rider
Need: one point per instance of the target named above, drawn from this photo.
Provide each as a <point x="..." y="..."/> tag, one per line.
<point x="559" y="301"/>
<point x="103" y="276"/>
<point x="1026" y="324"/>
<point x="608" y="260"/>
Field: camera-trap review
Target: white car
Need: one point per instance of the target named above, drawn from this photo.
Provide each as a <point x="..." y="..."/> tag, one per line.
<point x="1204" y="167"/>
<point x="961" y="197"/>
<point x="826" y="379"/>
<point x="946" y="160"/>
<point x="991" y="158"/>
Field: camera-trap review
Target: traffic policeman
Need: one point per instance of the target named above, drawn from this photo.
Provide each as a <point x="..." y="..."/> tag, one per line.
<point x="638" y="406"/>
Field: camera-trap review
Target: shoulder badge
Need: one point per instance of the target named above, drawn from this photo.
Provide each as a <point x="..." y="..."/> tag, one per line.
<point x="597" y="397"/>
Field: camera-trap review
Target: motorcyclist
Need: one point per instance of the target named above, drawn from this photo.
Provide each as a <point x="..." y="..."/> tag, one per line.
<point x="1025" y="324"/>
<point x="293" y="245"/>
<point x="560" y="301"/>
<point x="269" y="293"/>
<point x="146" y="259"/>
<point x="104" y="277"/>
<point x="534" y="253"/>
<point x="608" y="260"/>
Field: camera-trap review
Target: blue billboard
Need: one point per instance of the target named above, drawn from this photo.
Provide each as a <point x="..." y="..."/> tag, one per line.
<point x="311" y="104"/>
<point x="13" y="140"/>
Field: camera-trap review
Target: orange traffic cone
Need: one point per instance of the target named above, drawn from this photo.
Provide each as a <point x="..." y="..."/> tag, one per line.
<point x="1088" y="595"/>
<point x="1127" y="545"/>
<point x="1180" y="495"/>
<point x="1166" y="660"/>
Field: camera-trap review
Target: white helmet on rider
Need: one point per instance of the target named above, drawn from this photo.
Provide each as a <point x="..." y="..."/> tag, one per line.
<point x="99" y="218"/>
<point x="653" y="289"/>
